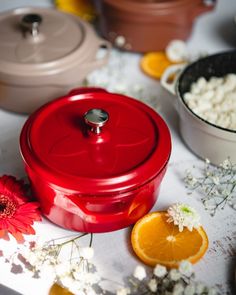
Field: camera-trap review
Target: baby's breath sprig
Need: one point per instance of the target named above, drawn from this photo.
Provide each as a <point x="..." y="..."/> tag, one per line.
<point x="217" y="184"/>
<point x="162" y="281"/>
<point x="78" y="275"/>
<point x="65" y="262"/>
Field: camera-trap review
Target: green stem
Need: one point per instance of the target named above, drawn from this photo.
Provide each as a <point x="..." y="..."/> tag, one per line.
<point x="226" y="197"/>
<point x="73" y="240"/>
<point x="91" y="240"/>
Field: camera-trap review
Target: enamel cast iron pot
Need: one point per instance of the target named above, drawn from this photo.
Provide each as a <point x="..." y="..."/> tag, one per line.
<point x="148" y="25"/>
<point x="95" y="159"/>
<point x="43" y="54"/>
<point x="205" y="139"/>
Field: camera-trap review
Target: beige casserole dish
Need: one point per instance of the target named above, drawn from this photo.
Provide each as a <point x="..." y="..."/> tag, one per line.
<point x="43" y="54"/>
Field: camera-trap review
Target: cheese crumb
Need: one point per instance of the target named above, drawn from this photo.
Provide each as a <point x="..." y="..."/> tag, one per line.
<point x="214" y="100"/>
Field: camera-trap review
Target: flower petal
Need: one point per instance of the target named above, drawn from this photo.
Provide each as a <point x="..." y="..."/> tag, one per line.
<point x="30" y="210"/>
<point x="19" y="220"/>
<point x="12" y="187"/>
<point x="19" y="237"/>
<point x="3" y="224"/>
<point x="4" y="235"/>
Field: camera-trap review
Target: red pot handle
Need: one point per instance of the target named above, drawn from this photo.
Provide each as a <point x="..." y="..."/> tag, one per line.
<point x="204" y="6"/>
<point x="83" y="90"/>
<point x="83" y="210"/>
<point x="132" y="209"/>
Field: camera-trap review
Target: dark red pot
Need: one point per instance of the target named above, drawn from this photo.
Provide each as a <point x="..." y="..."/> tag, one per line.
<point x="95" y="171"/>
<point x="148" y="25"/>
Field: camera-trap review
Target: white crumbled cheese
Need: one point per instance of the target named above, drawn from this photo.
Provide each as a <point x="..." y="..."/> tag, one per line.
<point x="214" y="100"/>
<point x="201" y="83"/>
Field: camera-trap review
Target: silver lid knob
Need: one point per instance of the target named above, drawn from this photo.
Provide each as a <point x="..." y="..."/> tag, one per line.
<point x="31" y="23"/>
<point x="96" y="119"/>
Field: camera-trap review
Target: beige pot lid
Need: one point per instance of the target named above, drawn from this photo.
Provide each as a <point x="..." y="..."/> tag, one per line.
<point x="40" y="41"/>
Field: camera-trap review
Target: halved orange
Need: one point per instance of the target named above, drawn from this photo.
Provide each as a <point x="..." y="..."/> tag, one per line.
<point x="82" y="8"/>
<point x="155" y="241"/>
<point x="58" y="290"/>
<point x="155" y="63"/>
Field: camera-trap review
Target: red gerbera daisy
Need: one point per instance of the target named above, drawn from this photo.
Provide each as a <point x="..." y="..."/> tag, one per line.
<point x="16" y="213"/>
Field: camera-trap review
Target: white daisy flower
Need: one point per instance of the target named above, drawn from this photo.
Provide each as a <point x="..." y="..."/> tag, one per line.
<point x="183" y="216"/>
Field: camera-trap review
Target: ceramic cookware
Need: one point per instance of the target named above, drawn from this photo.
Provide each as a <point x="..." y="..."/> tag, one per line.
<point x="146" y="25"/>
<point x="95" y="159"/>
<point x="43" y="54"/>
<point x="203" y="138"/>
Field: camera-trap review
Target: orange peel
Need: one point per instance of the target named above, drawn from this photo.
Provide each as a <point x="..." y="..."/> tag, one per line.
<point x="155" y="241"/>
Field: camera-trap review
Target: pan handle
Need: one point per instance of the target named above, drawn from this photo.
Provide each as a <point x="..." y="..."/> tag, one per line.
<point x="98" y="62"/>
<point x="99" y="211"/>
<point x="127" y="211"/>
<point x="171" y="71"/>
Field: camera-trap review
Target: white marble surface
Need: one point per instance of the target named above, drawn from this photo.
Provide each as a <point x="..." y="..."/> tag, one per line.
<point x="213" y="32"/>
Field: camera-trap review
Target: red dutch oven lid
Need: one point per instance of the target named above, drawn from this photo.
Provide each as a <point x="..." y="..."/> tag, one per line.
<point x="95" y="142"/>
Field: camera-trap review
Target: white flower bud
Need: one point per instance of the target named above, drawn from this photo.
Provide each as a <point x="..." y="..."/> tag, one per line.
<point x="178" y="289"/>
<point x="176" y="51"/>
<point x="226" y="164"/>
<point x="152" y="284"/>
<point x="139" y="272"/>
<point x="160" y="271"/>
<point x="216" y="180"/>
<point x="174" y="275"/>
<point x="189" y="290"/>
<point x="185" y="268"/>
<point x="123" y="291"/>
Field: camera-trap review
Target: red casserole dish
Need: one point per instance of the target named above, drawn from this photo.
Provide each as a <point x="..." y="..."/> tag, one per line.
<point x="95" y="159"/>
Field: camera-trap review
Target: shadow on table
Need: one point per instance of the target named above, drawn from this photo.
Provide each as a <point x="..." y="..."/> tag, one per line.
<point x="227" y="31"/>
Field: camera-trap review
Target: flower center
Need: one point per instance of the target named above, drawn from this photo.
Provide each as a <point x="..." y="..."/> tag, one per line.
<point x="186" y="210"/>
<point x="170" y="238"/>
<point x="7" y="207"/>
<point x="2" y="207"/>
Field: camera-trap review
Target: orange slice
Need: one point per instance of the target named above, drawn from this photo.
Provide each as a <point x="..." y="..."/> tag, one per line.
<point x="82" y="8"/>
<point x="155" y="241"/>
<point x="58" y="290"/>
<point x="155" y="63"/>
